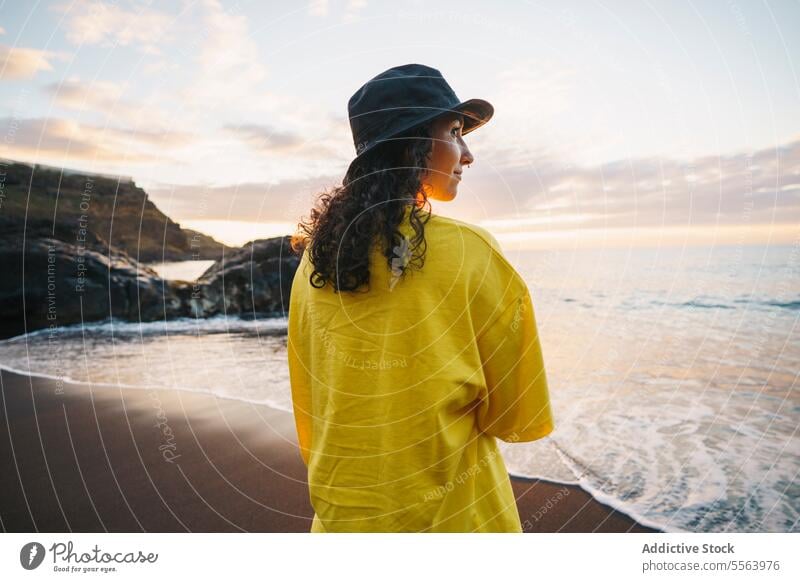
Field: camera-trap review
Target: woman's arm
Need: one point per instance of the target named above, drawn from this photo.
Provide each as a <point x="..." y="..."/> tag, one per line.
<point x="297" y="353"/>
<point x="516" y="405"/>
<point x="301" y="392"/>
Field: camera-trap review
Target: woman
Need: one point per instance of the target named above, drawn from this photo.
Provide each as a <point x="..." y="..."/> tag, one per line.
<point x="412" y="340"/>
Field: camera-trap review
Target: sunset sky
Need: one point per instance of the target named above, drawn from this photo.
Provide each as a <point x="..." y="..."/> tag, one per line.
<point x="617" y="123"/>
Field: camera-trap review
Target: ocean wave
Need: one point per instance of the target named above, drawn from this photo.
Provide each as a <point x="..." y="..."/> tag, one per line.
<point x="69" y="380"/>
<point x="178" y="326"/>
<point x="717" y="303"/>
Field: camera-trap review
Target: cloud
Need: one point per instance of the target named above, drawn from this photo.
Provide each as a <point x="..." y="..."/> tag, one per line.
<point x="529" y="97"/>
<point x="39" y="138"/>
<point x="267" y="140"/>
<point x="106" y="24"/>
<point x="286" y="201"/>
<point x="321" y="9"/>
<point x="230" y="68"/>
<point x="159" y="66"/>
<point x="318" y="8"/>
<point x="712" y="199"/>
<point x="353" y="8"/>
<point x="737" y="188"/>
<point x="106" y="98"/>
<point x="24" y="63"/>
<point x="75" y="94"/>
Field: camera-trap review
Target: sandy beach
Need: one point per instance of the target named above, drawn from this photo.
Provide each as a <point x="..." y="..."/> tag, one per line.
<point x="93" y="458"/>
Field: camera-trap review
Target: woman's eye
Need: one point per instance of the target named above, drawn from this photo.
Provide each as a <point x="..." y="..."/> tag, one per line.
<point x="456" y="128"/>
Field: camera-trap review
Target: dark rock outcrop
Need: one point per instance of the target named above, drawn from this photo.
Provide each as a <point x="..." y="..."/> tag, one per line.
<point x="70" y="246"/>
<point x="110" y="211"/>
<point x="48" y="282"/>
<point x="255" y="278"/>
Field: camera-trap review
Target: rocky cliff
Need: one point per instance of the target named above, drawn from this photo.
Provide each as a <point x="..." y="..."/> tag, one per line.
<point x="110" y="211"/>
<point x="64" y="271"/>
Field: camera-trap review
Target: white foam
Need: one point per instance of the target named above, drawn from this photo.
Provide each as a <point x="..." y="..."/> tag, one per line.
<point x="67" y="380"/>
<point x="218" y="323"/>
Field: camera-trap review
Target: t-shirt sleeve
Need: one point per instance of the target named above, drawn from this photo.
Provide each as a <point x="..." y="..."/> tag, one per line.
<point x="299" y="375"/>
<point x="301" y="401"/>
<point x="516" y="404"/>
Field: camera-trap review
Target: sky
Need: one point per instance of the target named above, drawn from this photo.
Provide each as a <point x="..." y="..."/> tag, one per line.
<point x="616" y="123"/>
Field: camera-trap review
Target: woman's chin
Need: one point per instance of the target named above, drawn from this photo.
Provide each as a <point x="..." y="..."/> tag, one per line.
<point x="446" y="196"/>
<point x="443" y="194"/>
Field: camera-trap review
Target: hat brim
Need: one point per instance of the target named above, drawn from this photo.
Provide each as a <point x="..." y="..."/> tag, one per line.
<point x="477" y="112"/>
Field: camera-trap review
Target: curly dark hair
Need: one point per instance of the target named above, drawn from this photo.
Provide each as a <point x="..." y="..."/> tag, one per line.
<point x="366" y="209"/>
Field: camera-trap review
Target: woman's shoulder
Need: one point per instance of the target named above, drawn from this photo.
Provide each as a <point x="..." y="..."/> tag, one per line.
<point x="473" y="237"/>
<point x="480" y="234"/>
<point x="483" y="248"/>
<point x="491" y="278"/>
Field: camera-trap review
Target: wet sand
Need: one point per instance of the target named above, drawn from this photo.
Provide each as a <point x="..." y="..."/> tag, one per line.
<point x="100" y="458"/>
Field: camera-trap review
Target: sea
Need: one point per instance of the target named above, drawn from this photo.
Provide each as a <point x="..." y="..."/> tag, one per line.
<point x="673" y="375"/>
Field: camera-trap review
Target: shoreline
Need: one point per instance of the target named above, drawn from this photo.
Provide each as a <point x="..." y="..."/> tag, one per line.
<point x="93" y="458"/>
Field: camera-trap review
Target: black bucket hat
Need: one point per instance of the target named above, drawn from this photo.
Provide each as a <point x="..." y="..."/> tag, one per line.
<point x="404" y="97"/>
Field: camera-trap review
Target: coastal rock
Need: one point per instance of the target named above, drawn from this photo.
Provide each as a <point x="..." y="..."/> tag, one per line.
<point x="71" y="246"/>
<point x="49" y="283"/>
<point x="110" y="211"/>
<point x="254" y="279"/>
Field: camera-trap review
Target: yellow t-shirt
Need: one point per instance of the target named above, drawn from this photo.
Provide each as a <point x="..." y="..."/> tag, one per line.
<point x="399" y="391"/>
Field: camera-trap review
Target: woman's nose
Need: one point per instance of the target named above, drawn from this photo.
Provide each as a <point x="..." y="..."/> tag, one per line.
<point x="466" y="156"/>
